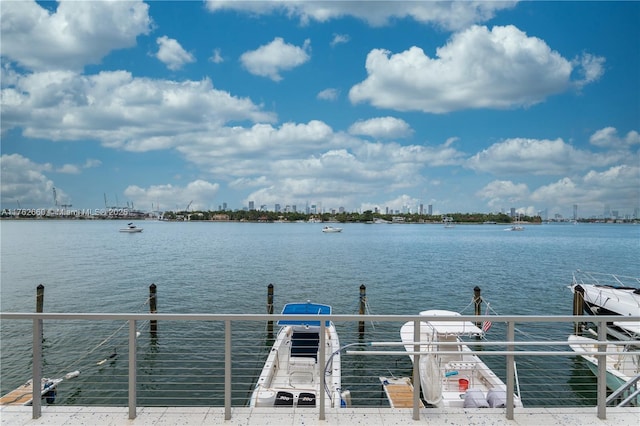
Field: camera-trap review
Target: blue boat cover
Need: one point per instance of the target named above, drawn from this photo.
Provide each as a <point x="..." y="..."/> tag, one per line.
<point x="307" y="308"/>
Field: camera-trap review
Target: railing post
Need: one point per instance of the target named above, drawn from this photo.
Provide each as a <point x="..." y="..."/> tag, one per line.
<point x="602" y="371"/>
<point x="37" y="369"/>
<point x="321" y="365"/>
<point x="132" y="369"/>
<point x="510" y="370"/>
<point x="416" y="371"/>
<point x="227" y="370"/>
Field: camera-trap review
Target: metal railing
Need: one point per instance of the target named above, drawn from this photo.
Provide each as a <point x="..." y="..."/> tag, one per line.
<point x="227" y="343"/>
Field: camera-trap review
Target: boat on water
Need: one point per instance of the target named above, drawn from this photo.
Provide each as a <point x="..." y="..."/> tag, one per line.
<point x="330" y="229"/>
<point x="609" y="294"/>
<point x="515" y="228"/>
<point x="622" y="367"/>
<point x="460" y="379"/>
<point x="448" y="222"/>
<point x="131" y="228"/>
<point x="291" y="374"/>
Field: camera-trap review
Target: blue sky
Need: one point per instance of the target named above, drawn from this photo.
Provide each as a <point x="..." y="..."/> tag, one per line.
<point x="465" y="106"/>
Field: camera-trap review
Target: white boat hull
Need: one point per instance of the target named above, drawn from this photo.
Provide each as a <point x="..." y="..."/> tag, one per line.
<point x="331" y="229"/>
<point x="291" y="374"/>
<point x="460" y="380"/>
<point x="621" y="367"/>
<point x="609" y="294"/>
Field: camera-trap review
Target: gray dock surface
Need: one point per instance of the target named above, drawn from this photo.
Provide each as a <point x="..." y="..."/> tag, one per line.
<point x="99" y="416"/>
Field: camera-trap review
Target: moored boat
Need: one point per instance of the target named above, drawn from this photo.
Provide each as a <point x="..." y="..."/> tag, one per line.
<point x="622" y="366"/>
<point x="459" y="379"/>
<point x="608" y="294"/>
<point x="293" y="369"/>
<point x="330" y="229"/>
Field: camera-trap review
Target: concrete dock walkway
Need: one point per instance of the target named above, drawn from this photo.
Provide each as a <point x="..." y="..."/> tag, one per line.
<point x="99" y="416"/>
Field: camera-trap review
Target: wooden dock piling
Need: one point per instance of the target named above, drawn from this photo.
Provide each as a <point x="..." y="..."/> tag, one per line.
<point x="153" y="308"/>
<point x="477" y="300"/>
<point x="578" y="303"/>
<point x="40" y="304"/>
<point x="362" y="310"/>
<point x="270" y="310"/>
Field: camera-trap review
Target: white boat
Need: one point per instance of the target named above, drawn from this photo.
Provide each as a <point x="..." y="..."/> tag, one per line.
<point x="291" y="374"/>
<point x="331" y="229"/>
<point x="460" y="380"/>
<point x="621" y="367"/>
<point x="448" y="222"/>
<point x="610" y="294"/>
<point x="131" y="228"/>
<point x="515" y="228"/>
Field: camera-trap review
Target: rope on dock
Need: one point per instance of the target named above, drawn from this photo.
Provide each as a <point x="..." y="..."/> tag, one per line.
<point x="99" y="345"/>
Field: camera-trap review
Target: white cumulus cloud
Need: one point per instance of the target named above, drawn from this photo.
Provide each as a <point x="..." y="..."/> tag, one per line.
<point x="172" y="54"/>
<point x="273" y="58"/>
<point x="77" y="33"/>
<point x="478" y="68"/>
<point x="382" y="127"/>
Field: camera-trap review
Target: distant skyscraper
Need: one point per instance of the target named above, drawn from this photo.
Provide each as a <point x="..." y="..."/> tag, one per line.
<point x="277" y="208"/>
<point x="513" y="212"/>
<point x="224" y="206"/>
<point x="251" y="205"/>
<point x="421" y="209"/>
<point x="430" y="208"/>
<point x="575" y="212"/>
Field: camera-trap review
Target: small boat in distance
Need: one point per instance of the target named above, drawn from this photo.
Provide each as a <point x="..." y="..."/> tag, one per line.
<point x="448" y="222"/>
<point x="131" y="228"/>
<point x="460" y="379"/>
<point x="330" y="229"/>
<point x="291" y="374"/>
<point x="515" y="228"/>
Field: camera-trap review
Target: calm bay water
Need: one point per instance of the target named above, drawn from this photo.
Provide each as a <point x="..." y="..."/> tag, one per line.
<point x="88" y="266"/>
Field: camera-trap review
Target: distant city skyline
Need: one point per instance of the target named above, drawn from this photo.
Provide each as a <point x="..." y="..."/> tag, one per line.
<point x="464" y="106"/>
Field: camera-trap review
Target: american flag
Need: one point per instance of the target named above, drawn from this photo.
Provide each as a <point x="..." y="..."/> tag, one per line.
<point x="487" y="324"/>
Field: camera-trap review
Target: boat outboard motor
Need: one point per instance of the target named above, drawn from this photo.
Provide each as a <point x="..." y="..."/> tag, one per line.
<point x="474" y="398"/>
<point x="497" y="398"/>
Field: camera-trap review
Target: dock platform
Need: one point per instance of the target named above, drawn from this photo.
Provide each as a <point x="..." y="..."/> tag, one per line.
<point x="399" y="391"/>
<point x="22" y="395"/>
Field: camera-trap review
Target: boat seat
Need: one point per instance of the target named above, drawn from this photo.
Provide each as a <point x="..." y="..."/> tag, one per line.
<point x="297" y="363"/>
<point x="301" y="370"/>
<point x="305" y="344"/>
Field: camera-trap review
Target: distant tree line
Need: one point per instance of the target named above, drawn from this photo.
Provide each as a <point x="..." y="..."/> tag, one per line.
<point x="344" y="217"/>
